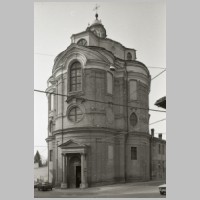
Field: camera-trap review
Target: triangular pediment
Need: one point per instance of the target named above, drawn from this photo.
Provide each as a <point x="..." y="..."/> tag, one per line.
<point x="71" y="144"/>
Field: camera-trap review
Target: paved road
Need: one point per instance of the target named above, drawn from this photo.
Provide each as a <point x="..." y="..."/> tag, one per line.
<point x="130" y="190"/>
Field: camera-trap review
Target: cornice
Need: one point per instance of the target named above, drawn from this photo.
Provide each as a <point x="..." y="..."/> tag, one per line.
<point x="140" y="134"/>
<point x="154" y="139"/>
<point x="50" y="89"/>
<point x="89" y="129"/>
<point x="50" y="138"/>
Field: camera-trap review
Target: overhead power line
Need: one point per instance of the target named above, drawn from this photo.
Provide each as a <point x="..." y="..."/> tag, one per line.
<point x="158" y="74"/>
<point x="157" y="121"/>
<point x="92" y="100"/>
<point x="156" y="67"/>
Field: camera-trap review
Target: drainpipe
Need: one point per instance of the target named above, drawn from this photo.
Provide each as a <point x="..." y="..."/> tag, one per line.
<point x="57" y="141"/>
<point x="48" y="137"/>
<point x="62" y="115"/>
<point x="57" y="165"/>
<point x="150" y="163"/>
<point x="48" y="161"/>
<point x="127" y="125"/>
<point x="62" y="103"/>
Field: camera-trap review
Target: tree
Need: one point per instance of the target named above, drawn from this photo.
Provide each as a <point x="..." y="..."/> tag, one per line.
<point x="37" y="159"/>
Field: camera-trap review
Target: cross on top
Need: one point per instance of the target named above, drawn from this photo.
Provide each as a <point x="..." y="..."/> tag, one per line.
<point x="96" y="7"/>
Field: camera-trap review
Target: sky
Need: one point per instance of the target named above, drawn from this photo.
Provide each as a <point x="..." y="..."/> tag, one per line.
<point x="140" y="24"/>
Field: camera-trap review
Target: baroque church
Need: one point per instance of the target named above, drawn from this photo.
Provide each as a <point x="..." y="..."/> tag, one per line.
<point x="98" y="115"/>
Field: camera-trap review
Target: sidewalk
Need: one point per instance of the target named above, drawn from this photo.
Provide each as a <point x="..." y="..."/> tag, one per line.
<point x="123" y="190"/>
<point x="112" y="187"/>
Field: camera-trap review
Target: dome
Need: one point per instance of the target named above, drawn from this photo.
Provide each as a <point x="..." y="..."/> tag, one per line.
<point x="97" y="28"/>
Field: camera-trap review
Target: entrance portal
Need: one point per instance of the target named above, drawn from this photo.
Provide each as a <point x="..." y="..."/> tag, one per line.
<point x="74" y="171"/>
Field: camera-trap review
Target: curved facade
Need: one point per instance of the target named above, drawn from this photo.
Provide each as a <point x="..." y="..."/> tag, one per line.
<point x="98" y="115"/>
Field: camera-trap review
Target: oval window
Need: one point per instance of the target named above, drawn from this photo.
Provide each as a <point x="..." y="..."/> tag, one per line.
<point x="133" y="119"/>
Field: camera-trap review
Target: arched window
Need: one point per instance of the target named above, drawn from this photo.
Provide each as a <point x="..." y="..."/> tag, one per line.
<point x="75" y="77"/>
<point x="82" y="42"/>
<point x="51" y="102"/>
<point x="109" y="83"/>
<point x="95" y="32"/>
<point x="133" y="90"/>
<point x="50" y="127"/>
<point x="129" y="56"/>
<point x="75" y="114"/>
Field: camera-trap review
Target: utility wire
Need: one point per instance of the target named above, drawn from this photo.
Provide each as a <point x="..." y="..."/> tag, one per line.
<point x="156" y="67"/>
<point x="110" y="103"/>
<point x="158" y="74"/>
<point x="157" y="121"/>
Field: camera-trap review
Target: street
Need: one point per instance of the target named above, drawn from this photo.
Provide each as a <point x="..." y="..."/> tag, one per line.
<point x="128" y="190"/>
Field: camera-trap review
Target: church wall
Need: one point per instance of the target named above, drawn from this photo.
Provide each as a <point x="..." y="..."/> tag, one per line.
<point x="104" y="156"/>
<point x="93" y="41"/>
<point x="138" y="170"/>
<point x="51" y="162"/>
<point x="104" y="126"/>
<point x="99" y="114"/>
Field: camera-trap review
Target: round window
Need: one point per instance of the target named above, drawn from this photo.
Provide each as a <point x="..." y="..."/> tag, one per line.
<point x="75" y="114"/>
<point x="133" y="119"/>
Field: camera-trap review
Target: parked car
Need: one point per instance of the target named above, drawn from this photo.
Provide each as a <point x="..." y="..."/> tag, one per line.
<point x="162" y="189"/>
<point x="45" y="186"/>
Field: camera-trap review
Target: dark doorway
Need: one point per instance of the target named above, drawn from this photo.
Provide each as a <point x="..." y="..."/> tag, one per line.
<point x="78" y="176"/>
<point x="74" y="173"/>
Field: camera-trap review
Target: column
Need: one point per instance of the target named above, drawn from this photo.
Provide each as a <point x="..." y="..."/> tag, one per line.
<point x="84" y="183"/>
<point x="64" y="183"/>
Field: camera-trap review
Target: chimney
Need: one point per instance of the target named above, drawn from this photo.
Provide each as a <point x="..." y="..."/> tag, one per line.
<point x="160" y="136"/>
<point x="152" y="132"/>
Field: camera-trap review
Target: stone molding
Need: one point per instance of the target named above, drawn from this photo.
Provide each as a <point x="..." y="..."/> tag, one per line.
<point x="86" y="129"/>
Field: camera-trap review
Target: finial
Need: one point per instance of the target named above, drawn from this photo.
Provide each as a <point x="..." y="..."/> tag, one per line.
<point x="96" y="8"/>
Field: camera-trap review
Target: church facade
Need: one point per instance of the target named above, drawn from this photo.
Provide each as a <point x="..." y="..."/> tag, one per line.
<point x="98" y="114"/>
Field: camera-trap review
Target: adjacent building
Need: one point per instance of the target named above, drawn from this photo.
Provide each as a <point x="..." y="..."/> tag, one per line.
<point x="98" y="114"/>
<point x="161" y="102"/>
